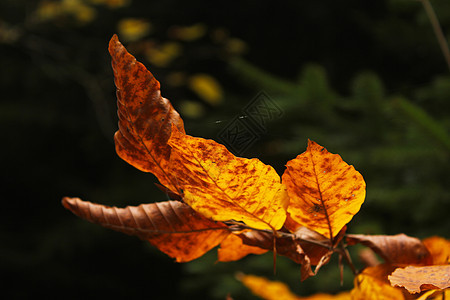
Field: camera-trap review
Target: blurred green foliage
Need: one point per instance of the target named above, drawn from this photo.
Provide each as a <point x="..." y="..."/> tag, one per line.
<point x="365" y="79"/>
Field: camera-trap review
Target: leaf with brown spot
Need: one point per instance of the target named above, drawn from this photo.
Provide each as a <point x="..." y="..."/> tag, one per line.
<point x="224" y="187"/>
<point x="397" y="249"/>
<point x="372" y="283"/>
<point x="171" y="226"/>
<point x="325" y="192"/>
<point x="419" y="279"/>
<point x="145" y="117"/>
<point x="232" y="249"/>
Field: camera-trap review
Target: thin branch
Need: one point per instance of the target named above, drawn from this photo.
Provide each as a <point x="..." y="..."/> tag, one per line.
<point x="437" y="30"/>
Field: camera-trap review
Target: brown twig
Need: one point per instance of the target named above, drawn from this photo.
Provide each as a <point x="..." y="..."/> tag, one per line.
<point x="437" y="30"/>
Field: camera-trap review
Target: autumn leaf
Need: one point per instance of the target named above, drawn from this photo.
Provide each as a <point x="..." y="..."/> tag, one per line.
<point x="224" y="187"/>
<point x="372" y="283"/>
<point x="232" y="249"/>
<point x="439" y="249"/>
<point x="172" y="226"/>
<point x="397" y="249"/>
<point x="286" y="245"/>
<point x="418" y="279"/>
<point x="325" y="192"/>
<point x="276" y="290"/>
<point x="145" y="117"/>
<point x="309" y="240"/>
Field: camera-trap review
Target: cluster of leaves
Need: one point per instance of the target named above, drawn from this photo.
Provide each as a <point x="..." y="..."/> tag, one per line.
<point x="242" y="204"/>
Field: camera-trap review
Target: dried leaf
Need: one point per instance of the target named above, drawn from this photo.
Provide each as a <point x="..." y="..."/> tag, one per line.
<point x="372" y="283"/>
<point x="275" y="290"/>
<point x="325" y="191"/>
<point x="315" y="252"/>
<point x="397" y="249"/>
<point x="224" y="187"/>
<point x="232" y="249"/>
<point x="171" y="226"/>
<point x="418" y="279"/>
<point x="145" y="118"/>
<point x="285" y="245"/>
<point x="439" y="249"/>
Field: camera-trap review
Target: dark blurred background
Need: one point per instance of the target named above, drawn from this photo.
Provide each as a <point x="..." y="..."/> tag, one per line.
<point x="366" y="79"/>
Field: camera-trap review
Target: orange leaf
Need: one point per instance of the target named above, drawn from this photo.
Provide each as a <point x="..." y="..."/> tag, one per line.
<point x="224" y="187"/>
<point x="171" y="226"/>
<point x="232" y="249"/>
<point x="372" y="283"/>
<point x="397" y="249"/>
<point x="439" y="249"/>
<point x="325" y="191"/>
<point x="418" y="279"/>
<point x="145" y="118"/>
<point x="275" y="290"/>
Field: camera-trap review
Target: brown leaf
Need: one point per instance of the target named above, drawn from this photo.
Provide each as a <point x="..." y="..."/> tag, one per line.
<point x="224" y="187"/>
<point x="315" y="252"/>
<point x="372" y="283"/>
<point x="418" y="279"/>
<point x="397" y="249"/>
<point x="285" y="245"/>
<point x="325" y="192"/>
<point x="171" y="226"/>
<point x="232" y="249"/>
<point x="145" y="118"/>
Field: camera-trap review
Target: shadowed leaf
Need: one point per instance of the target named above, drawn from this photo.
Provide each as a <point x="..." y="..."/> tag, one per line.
<point x="285" y="245"/>
<point x="171" y="226"/>
<point x="325" y="192"/>
<point x="418" y="279"/>
<point x="395" y="249"/>
<point x="145" y="118"/>
<point x="224" y="187"/>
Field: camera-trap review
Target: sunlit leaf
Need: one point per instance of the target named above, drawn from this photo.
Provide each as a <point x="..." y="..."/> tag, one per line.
<point x="145" y="118"/>
<point x="372" y="283"/>
<point x="224" y="187"/>
<point x="171" y="226"/>
<point x="275" y="290"/>
<point x="395" y="249"/>
<point x="439" y="249"/>
<point x="325" y="191"/>
<point x="232" y="249"/>
<point x="418" y="279"/>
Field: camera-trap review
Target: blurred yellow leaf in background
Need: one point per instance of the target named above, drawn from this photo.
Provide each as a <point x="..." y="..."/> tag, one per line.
<point x="207" y="88"/>
<point x="131" y="29"/>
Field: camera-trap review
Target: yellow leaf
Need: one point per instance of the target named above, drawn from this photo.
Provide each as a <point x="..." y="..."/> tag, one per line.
<point x="325" y="191"/>
<point x="232" y="249"/>
<point x="188" y="33"/>
<point x="224" y="187"/>
<point x="164" y="54"/>
<point x="275" y="290"/>
<point x="372" y="283"/>
<point x="131" y="29"/>
<point x="206" y="88"/>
